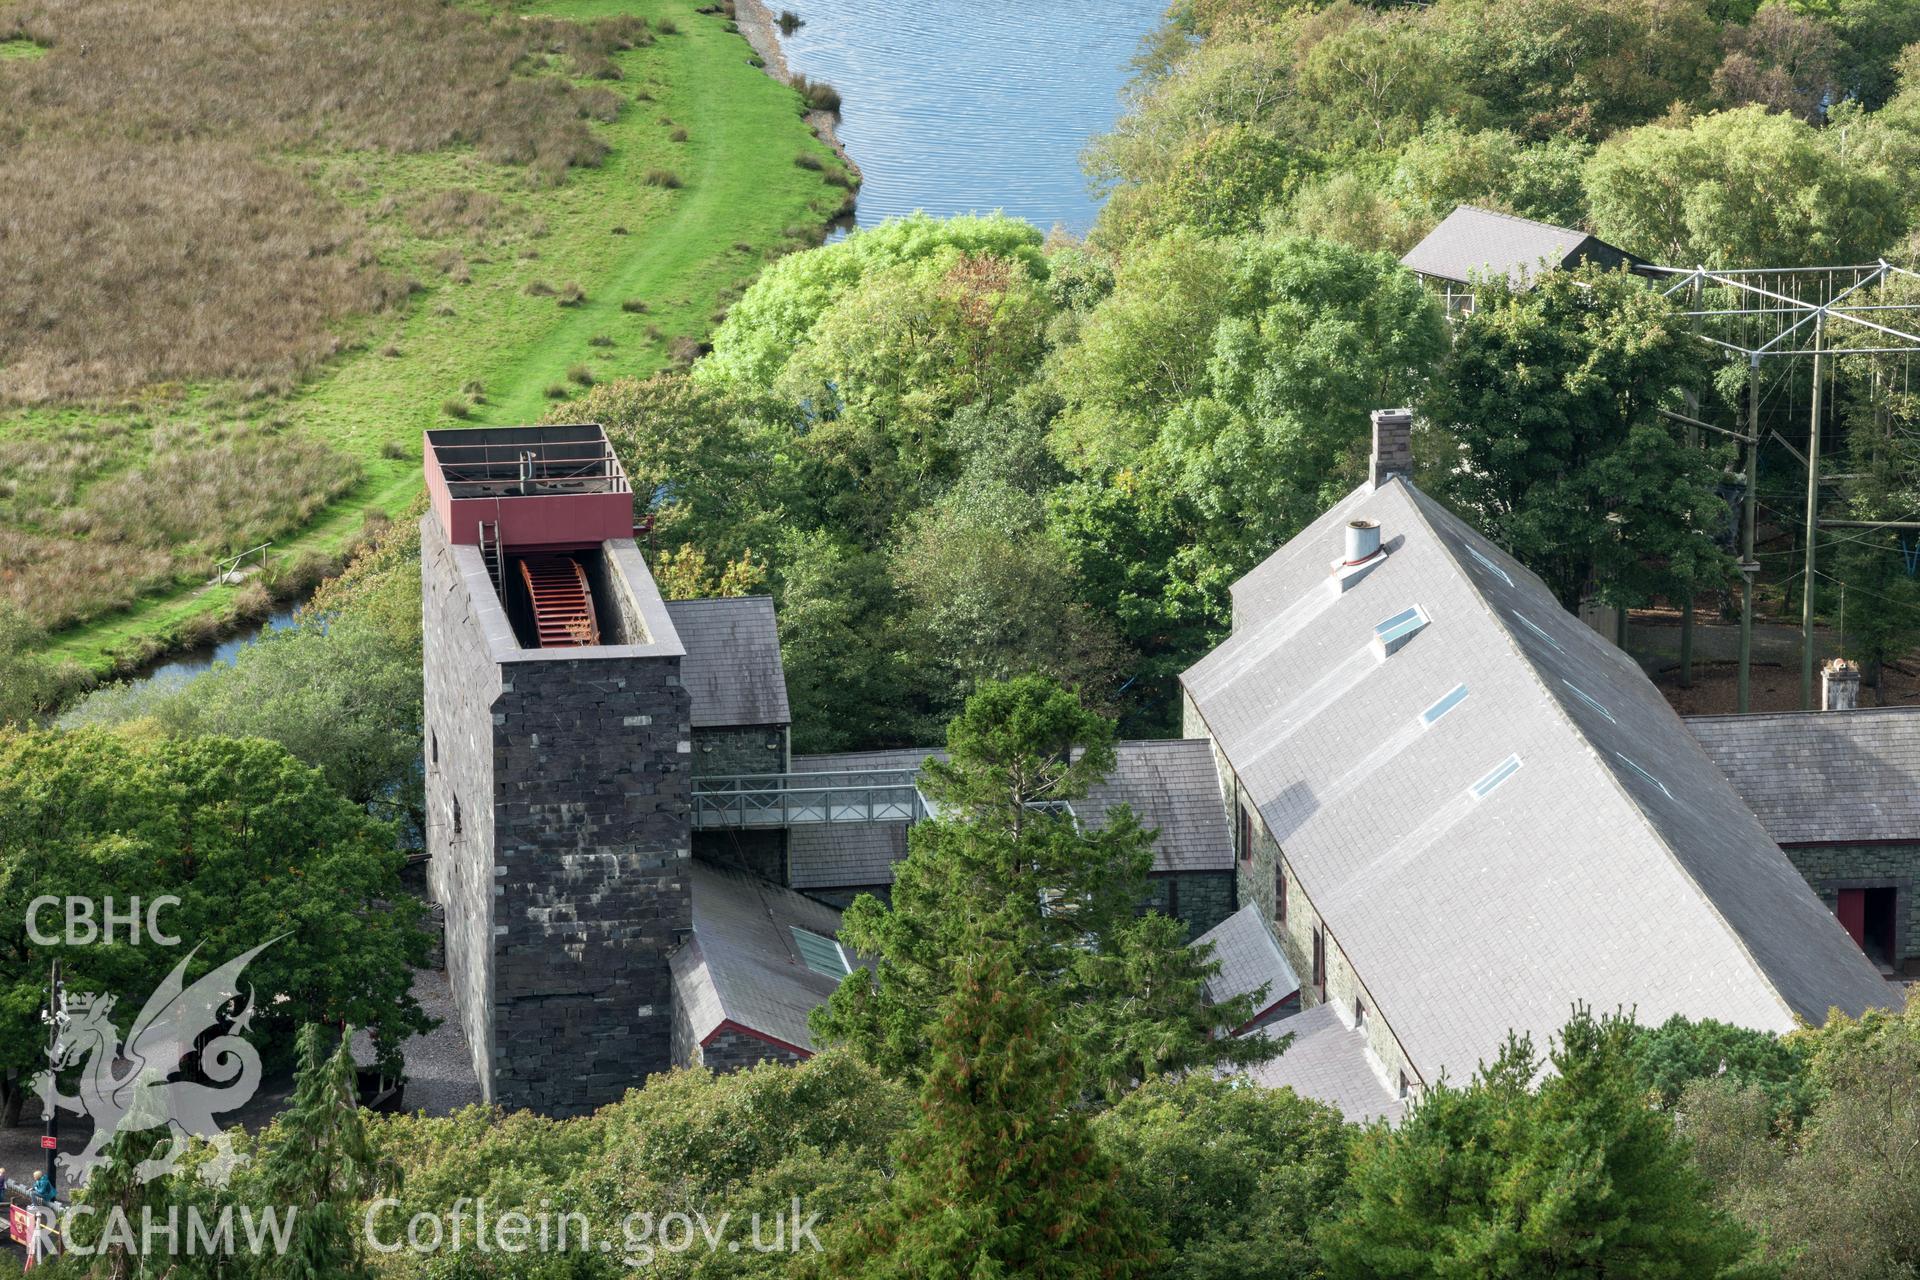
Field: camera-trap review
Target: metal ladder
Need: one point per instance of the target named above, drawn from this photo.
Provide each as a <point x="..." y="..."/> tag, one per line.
<point x="494" y="555"/>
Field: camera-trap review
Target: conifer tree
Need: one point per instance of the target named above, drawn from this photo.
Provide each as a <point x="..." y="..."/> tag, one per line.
<point x="318" y="1163"/>
<point x="1004" y="859"/>
<point x="999" y="1177"/>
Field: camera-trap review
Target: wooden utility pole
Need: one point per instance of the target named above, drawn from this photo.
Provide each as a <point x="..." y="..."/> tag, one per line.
<point x="1749" y="567"/>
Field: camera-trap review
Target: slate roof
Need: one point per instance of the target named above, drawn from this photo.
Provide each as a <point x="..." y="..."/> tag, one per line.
<point x="741" y="965"/>
<point x="1823" y="777"/>
<point x="732" y="668"/>
<point x="1472" y="241"/>
<point x="1249" y="959"/>
<point x="1328" y="1062"/>
<point x="1173" y="787"/>
<point x="1612" y="863"/>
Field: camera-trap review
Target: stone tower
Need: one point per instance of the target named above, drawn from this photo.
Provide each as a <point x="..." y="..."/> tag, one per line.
<point x="558" y="746"/>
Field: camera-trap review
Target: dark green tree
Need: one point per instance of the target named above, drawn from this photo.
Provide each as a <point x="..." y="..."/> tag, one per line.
<point x="1005" y="860"/>
<point x="1553" y="394"/>
<point x="1000" y="1176"/>
<point x="1236" y="1177"/>
<point x="254" y="844"/>
<point x="317" y="1163"/>
<point x="1576" y="1178"/>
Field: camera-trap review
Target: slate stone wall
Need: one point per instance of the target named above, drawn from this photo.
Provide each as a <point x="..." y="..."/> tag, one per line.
<point x="1830" y="868"/>
<point x="593" y="841"/>
<point x="461" y="684"/>
<point x="566" y="881"/>
<point x="740" y="749"/>
<point x="1201" y="899"/>
<point x="731" y="1050"/>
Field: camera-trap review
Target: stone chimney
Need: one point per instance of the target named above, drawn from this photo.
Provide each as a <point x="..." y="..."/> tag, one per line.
<point x="1840" y="685"/>
<point x="1392" y="445"/>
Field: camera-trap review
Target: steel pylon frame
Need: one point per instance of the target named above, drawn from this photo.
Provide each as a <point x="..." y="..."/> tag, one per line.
<point x="1765" y="313"/>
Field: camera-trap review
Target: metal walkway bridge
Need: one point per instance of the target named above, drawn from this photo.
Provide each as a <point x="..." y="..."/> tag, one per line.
<point x="794" y="799"/>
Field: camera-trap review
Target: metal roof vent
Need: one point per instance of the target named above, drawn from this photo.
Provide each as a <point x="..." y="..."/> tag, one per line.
<point x="1360" y="555"/>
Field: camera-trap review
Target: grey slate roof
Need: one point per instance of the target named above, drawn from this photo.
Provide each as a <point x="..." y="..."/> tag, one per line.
<point x="1472" y="241"/>
<point x="741" y="965"/>
<point x="1173" y="787"/>
<point x="732" y="668"/>
<point x="1328" y="1062"/>
<point x="1249" y="959"/>
<point x="1823" y="777"/>
<point x="1614" y="865"/>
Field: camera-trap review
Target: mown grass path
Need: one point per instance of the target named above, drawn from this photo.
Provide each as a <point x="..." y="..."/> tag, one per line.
<point x="606" y="230"/>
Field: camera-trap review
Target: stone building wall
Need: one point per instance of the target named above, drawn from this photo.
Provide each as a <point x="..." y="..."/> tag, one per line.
<point x="740" y="749"/>
<point x="731" y="1050"/>
<point x="462" y="682"/>
<point x="593" y="841"/>
<point x="1830" y="868"/>
<point x="1200" y="899"/>
<point x="565" y="876"/>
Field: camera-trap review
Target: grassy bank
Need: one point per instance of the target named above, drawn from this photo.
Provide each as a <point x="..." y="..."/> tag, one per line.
<point x="518" y="292"/>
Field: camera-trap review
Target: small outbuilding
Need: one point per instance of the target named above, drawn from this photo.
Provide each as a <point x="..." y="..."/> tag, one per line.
<point x="1474" y="242"/>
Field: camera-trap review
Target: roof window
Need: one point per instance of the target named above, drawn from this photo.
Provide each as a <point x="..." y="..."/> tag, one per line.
<point x="1453" y="698"/>
<point x="822" y="954"/>
<point x="1391" y="633"/>
<point x="1501" y="772"/>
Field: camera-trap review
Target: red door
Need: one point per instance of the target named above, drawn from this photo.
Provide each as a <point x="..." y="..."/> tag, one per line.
<point x="1852" y="911"/>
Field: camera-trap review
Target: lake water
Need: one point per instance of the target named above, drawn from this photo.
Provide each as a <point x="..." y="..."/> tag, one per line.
<point x="954" y="107"/>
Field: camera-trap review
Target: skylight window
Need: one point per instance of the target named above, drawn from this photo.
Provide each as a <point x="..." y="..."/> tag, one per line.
<point x="1589" y="699"/>
<point x="1393" y="632"/>
<point x="1631" y="764"/>
<point x="822" y="954"/>
<point x="1536" y="628"/>
<point x="1501" y="772"/>
<point x="1454" y="698"/>
<point x="1490" y="566"/>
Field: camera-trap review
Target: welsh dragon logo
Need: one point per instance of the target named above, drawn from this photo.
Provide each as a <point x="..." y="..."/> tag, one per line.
<point x="131" y="1086"/>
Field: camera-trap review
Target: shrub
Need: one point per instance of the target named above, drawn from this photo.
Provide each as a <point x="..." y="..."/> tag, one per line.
<point x="634" y="306"/>
<point x="580" y="374"/>
<point x="807" y="160"/>
<point x="817" y="94"/>
<point x="599" y="340"/>
<point x="475" y="389"/>
<point x="678" y="135"/>
<point x="667" y="27"/>
<point x="790" y="22"/>
<point x="397" y="450"/>
<point x="684" y="351"/>
<point x="540" y="289"/>
<point x="663" y="178"/>
<point x="571" y="295"/>
<point x="619" y="231"/>
<point x="557" y="391"/>
<point x="453" y="407"/>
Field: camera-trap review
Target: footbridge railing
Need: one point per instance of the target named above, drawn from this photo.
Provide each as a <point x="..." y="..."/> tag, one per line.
<point x="794" y="799"/>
